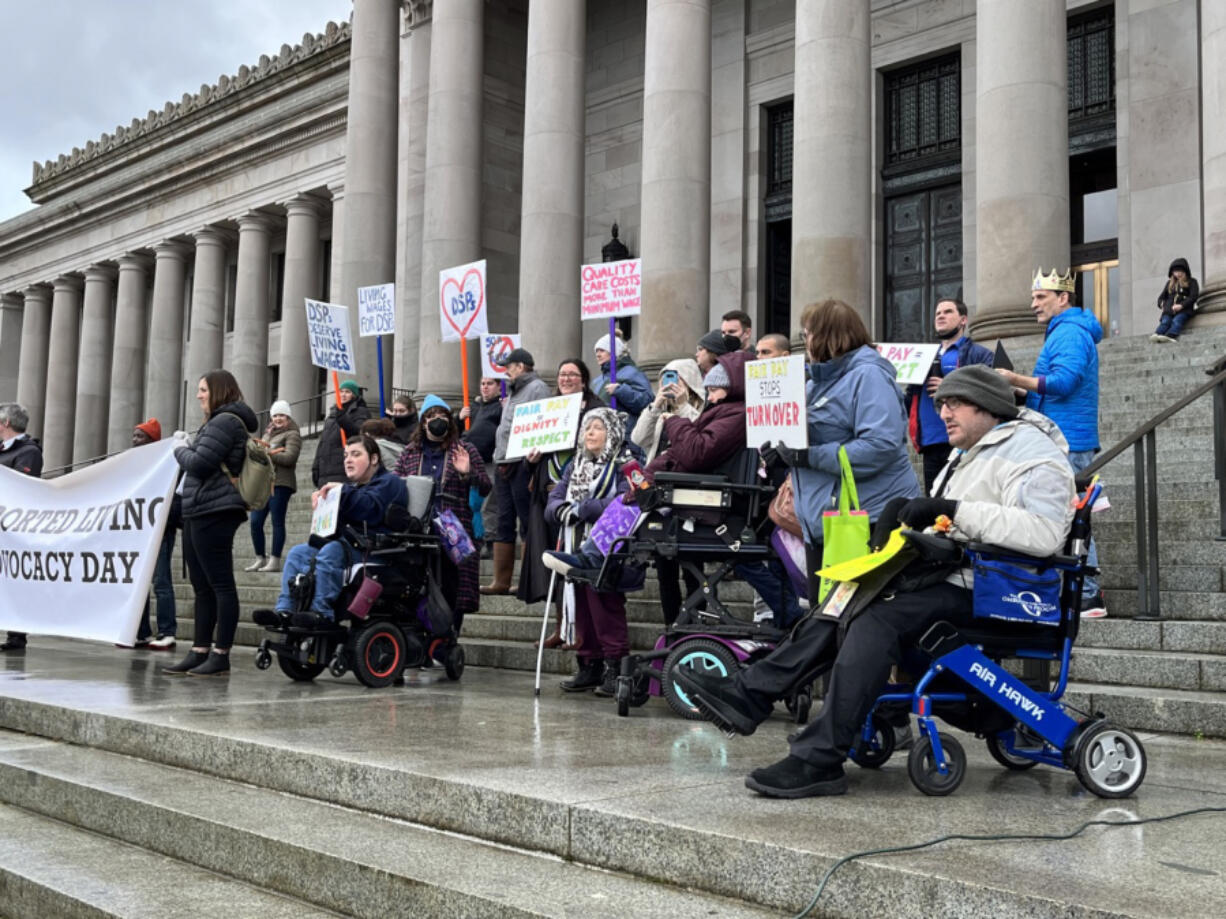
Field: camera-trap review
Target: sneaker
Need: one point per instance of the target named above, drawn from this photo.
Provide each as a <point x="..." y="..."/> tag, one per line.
<point x="719" y="699"/>
<point x="793" y="777"/>
<point x="1094" y="607"/>
<point x="214" y="665"/>
<point x="162" y="643"/>
<point x="260" y="562"/>
<point x="140" y="643"/>
<point x="192" y="660"/>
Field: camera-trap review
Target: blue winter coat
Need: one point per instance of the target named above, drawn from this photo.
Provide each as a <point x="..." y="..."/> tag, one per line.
<point x="854" y="402"/>
<point x="633" y="394"/>
<point x="1067" y="369"/>
<point x="369" y="503"/>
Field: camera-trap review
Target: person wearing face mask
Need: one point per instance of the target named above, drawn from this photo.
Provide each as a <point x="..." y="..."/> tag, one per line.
<point x="284" y="444"/>
<point x="436" y="450"/>
<point x="403" y="414"/>
<point x="367" y="493"/>
<point x="329" y="465"/>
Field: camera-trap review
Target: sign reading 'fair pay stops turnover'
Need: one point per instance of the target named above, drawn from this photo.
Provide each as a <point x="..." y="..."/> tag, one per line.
<point x="775" y="402"/>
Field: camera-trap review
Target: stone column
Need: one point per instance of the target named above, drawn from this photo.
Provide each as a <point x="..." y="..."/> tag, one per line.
<point x="164" y="366"/>
<point x="10" y="345"/>
<point x="676" y="197"/>
<point x="32" y="368"/>
<point x="62" y="357"/>
<point x="1213" y="153"/>
<point x="832" y="156"/>
<point x="369" y="226"/>
<point x="551" y="228"/>
<point x="249" y="362"/>
<point x="451" y="224"/>
<point x="206" y="339"/>
<point x="94" y="370"/>
<point x="1022" y="201"/>
<point x="128" y="359"/>
<point x="298" y="374"/>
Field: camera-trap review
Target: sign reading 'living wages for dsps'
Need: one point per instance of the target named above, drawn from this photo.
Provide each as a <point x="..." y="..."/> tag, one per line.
<point x="912" y="362"/>
<point x="611" y="289"/>
<point x="328" y="331"/>
<point x="775" y="402"/>
<point x="377" y="310"/>
<point x="548" y="425"/>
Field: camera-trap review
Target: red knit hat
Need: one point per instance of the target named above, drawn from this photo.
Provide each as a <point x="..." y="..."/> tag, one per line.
<point x="152" y="428"/>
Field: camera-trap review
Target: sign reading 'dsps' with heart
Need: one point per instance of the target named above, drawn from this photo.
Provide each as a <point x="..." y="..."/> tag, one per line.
<point x="462" y="302"/>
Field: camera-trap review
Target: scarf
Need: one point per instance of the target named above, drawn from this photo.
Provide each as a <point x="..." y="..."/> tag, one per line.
<point x="594" y="476"/>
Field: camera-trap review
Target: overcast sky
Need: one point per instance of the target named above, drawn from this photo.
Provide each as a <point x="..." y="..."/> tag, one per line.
<point x="72" y="69"/>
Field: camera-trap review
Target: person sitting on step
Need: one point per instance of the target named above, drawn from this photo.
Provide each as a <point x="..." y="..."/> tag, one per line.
<point x="365" y="498"/>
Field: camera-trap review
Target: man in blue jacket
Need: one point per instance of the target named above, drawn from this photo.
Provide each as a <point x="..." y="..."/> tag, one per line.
<point x="957" y="350"/>
<point x="1064" y="386"/>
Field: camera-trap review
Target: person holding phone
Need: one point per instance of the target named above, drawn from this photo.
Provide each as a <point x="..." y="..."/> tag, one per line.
<point x="681" y="393"/>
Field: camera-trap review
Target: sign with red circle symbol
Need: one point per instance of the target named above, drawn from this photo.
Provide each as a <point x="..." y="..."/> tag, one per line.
<point x="495" y="349"/>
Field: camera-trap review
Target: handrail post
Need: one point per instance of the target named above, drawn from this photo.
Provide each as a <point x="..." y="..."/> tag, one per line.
<point x="1219" y="454"/>
<point x="1145" y="466"/>
<point x="1138" y="478"/>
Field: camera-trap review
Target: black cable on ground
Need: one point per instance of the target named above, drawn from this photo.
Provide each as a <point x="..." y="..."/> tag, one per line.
<point x="1008" y="837"/>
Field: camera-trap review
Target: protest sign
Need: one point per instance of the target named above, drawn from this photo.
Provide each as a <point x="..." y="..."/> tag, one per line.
<point x="328" y="331"/>
<point x="461" y="294"/>
<point x="775" y="402"/>
<point x="611" y="289"/>
<point x="377" y="310"/>
<point x="77" y="552"/>
<point x="494" y="352"/>
<point x="324" y="517"/>
<point x="548" y="425"/>
<point x="912" y="362"/>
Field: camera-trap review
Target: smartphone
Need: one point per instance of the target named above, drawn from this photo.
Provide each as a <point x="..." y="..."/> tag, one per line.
<point x="669" y="378"/>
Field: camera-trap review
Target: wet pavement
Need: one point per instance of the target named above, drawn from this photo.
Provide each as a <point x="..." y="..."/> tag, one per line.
<point x="652" y="795"/>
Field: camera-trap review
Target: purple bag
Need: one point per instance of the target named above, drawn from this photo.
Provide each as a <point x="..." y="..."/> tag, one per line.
<point x="617" y="521"/>
<point x="455" y="538"/>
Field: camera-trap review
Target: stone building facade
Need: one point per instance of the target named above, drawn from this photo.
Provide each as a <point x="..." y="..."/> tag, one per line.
<point x="758" y="155"/>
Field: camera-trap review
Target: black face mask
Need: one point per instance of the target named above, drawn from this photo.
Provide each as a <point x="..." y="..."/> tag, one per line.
<point x="404" y="421"/>
<point x="438" y="428"/>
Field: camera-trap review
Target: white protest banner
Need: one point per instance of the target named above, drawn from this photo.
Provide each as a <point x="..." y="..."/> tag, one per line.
<point x="326" y="513"/>
<point x="548" y="425"/>
<point x="494" y="352"/>
<point x="611" y="289"/>
<point x="377" y="310"/>
<point x="328" y="331"/>
<point x="461" y="295"/>
<point x="912" y="362"/>
<point x="77" y="552"/>
<point x="775" y="402"/>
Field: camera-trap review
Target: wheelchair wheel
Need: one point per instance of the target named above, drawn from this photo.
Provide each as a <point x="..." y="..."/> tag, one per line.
<point x="453" y="663"/>
<point x="922" y="766"/>
<point x="1110" y="761"/>
<point x="378" y="654"/>
<point x="704" y="655"/>
<point x="622" y="696"/>
<point x="302" y="673"/>
<point x="996" y="747"/>
<point x="874" y="753"/>
<point x="799" y="705"/>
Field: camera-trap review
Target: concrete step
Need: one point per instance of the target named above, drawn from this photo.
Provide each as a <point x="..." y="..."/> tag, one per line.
<point x="1195" y="712"/>
<point x="50" y="869"/>
<point x="365" y="865"/>
<point x="1176" y="578"/>
<point x="1200" y="606"/>
<point x="1171" y="635"/>
<point x="1154" y="669"/>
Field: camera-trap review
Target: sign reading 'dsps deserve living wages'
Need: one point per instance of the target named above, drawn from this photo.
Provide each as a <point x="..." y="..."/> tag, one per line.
<point x="912" y="362"/>
<point x="611" y="289"/>
<point x="328" y="330"/>
<point x="548" y="425"/>
<point x="775" y="402"/>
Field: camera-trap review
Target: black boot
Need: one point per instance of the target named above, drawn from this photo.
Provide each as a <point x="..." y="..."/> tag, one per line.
<point x="193" y="659"/>
<point x="608" y="683"/>
<point x="215" y="665"/>
<point x="588" y="677"/>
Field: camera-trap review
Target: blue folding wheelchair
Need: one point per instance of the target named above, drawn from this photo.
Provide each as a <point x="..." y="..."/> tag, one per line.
<point x="964" y="684"/>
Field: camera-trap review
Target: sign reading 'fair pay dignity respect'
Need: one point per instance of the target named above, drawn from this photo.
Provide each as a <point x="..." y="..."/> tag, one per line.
<point x="775" y="402"/>
<point x="548" y="425"/>
<point x="611" y="289"/>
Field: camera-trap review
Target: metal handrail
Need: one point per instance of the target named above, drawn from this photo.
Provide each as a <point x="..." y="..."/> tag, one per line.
<point x="1145" y="475"/>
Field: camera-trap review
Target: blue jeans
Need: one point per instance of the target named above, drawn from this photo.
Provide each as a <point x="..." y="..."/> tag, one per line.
<point x="774" y="587"/>
<point x="276" y="506"/>
<point x="1079" y="460"/>
<point x="331" y="562"/>
<point x="163" y="590"/>
<point x="1172" y="326"/>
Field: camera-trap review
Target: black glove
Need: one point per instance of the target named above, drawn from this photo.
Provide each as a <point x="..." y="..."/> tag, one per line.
<point x="782" y="453"/>
<point x="919" y="513"/>
<point x="887" y="523"/>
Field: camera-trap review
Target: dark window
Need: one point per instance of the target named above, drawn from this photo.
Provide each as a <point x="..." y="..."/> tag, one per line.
<point x="231" y="295"/>
<point x="923" y="110"/>
<point x="777" y="308"/>
<point x="1091" y="63"/>
<point x="779" y="162"/>
<point x="325" y="261"/>
<point x="278" y="287"/>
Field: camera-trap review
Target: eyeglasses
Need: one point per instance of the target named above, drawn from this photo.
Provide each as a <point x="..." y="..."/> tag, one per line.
<point x="953" y="403"/>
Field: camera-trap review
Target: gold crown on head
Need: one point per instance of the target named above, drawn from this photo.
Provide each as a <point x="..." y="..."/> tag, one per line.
<point x="1053" y="281"/>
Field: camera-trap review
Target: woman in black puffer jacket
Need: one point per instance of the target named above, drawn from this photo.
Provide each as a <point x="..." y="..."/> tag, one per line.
<point x="212" y="511"/>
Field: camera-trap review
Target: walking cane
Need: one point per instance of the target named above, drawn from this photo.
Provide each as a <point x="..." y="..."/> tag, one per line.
<point x="540" y="649"/>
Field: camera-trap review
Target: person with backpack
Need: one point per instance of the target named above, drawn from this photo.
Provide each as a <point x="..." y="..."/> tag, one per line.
<point x="213" y="510"/>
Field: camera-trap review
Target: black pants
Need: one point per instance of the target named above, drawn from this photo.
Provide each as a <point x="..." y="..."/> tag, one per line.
<point x="668" y="570"/>
<point x="208" y="548"/>
<point x="860" y="668"/>
<point x="935" y="457"/>
<point x="514" y="501"/>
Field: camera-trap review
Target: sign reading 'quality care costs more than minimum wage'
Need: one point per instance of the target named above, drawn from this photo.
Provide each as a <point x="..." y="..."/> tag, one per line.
<point x="611" y="289"/>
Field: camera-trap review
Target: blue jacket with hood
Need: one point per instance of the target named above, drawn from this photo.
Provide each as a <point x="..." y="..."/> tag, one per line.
<point x="1067" y="369"/>
<point x="853" y="402"/>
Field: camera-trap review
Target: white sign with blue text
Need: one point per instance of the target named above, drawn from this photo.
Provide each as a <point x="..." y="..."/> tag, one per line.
<point x="377" y="310"/>
<point x="328" y="331"/>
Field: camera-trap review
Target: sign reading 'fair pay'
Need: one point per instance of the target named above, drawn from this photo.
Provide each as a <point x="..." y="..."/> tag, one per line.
<point x="912" y="362"/>
<point x="775" y="402"/>
<point x="547" y="425"/>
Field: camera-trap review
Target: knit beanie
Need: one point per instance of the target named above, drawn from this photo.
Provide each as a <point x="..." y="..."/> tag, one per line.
<point x="433" y="401"/>
<point x="718" y="343"/>
<point x="352" y="386"/>
<point x="151" y="428"/>
<point x="281" y="407"/>
<point x="980" y="385"/>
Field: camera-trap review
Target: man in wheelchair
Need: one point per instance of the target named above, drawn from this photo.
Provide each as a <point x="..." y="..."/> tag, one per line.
<point x="365" y="498"/>
<point x="1007" y="483"/>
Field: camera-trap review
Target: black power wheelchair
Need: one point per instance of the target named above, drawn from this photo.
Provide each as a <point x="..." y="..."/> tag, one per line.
<point x="408" y="624"/>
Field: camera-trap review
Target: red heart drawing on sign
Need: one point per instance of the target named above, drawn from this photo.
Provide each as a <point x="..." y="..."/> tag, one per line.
<point x="471" y="298"/>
